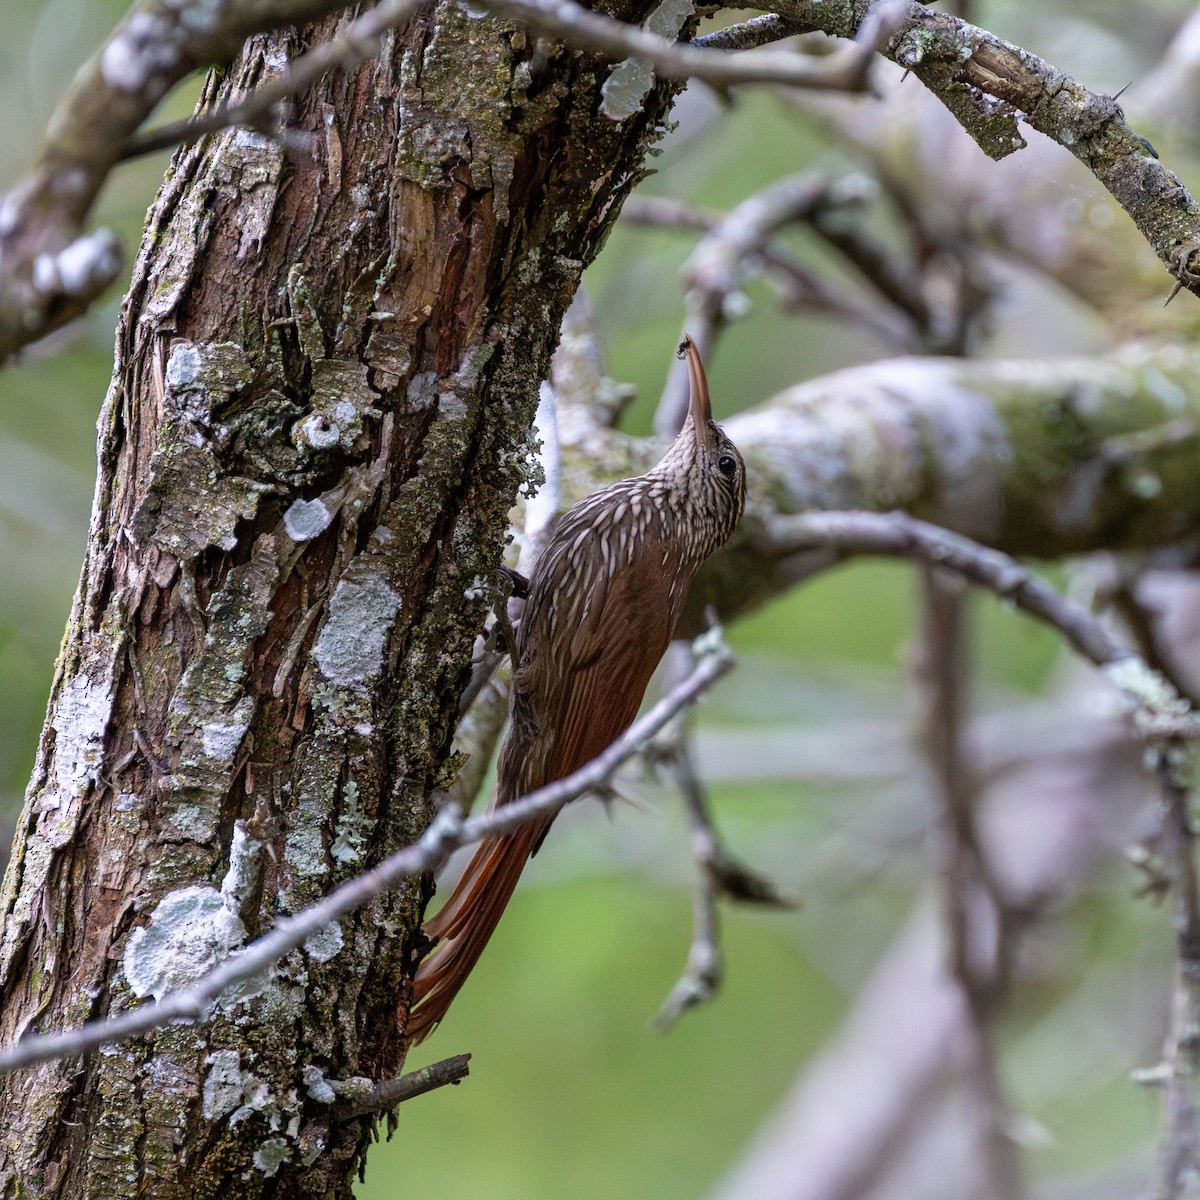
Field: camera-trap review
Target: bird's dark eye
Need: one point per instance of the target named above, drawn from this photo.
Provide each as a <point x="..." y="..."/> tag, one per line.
<point x="727" y="466"/>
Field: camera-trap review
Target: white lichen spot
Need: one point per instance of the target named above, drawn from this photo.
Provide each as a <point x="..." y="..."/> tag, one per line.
<point x="736" y="305"/>
<point x="304" y="850"/>
<point x="226" y="1085"/>
<point x="89" y="263"/>
<point x="120" y="64"/>
<point x="625" y="89"/>
<point x="326" y="943"/>
<point x="317" y="1085"/>
<point x="271" y="1155"/>
<point x="1145" y="689"/>
<point x="221" y="740"/>
<point x="305" y="519"/>
<point x="422" y="390"/>
<point x="45" y="274"/>
<point x="190" y="931"/>
<point x="1146" y="485"/>
<point x="250" y="139"/>
<point x="319" y="432"/>
<point x="351" y="646"/>
<point x="242" y="877"/>
<point x="10" y="214"/>
<point x="183" y="365"/>
<point x="80" y="723"/>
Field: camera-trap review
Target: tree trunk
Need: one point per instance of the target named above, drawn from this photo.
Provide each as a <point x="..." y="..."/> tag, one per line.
<point x="326" y="371"/>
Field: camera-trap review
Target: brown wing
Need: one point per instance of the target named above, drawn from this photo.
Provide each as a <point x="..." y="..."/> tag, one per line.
<point x="602" y="607"/>
<point x="599" y="616"/>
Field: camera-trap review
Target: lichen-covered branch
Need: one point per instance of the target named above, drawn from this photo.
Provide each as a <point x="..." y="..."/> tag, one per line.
<point x="581" y="27"/>
<point x="1042" y="459"/>
<point x="51" y="269"/>
<point x="974" y="908"/>
<point x="991" y="86"/>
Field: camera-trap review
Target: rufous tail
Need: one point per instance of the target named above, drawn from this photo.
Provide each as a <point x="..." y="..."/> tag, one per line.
<point x="463" y="925"/>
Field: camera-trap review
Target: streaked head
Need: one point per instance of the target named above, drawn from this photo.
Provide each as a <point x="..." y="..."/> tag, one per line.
<point x="716" y="473"/>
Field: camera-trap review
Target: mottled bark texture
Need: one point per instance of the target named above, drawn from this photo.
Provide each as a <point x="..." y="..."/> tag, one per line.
<point x="327" y="366"/>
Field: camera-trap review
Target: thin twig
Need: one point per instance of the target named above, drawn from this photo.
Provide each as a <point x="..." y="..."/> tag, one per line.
<point x="718" y="873"/>
<point x="447" y="833"/>
<point x="372" y="1098"/>
<point x="898" y="534"/>
<point x="615" y="40"/>
<point x="1178" y="1156"/>
<point x="360" y="41"/>
<point x="798" y="289"/>
<point x="1141" y="619"/>
<point x="976" y="918"/>
<point x="750" y="34"/>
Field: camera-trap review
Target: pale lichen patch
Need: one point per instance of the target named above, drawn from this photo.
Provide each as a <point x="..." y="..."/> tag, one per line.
<point x="317" y="1085"/>
<point x="226" y="1085"/>
<point x="353" y="828"/>
<point x="326" y="943"/>
<point x="242" y="877"/>
<point x="80" y="723"/>
<point x="222" y="739"/>
<point x="271" y="1155"/>
<point x="350" y="650"/>
<point x="305" y="519"/>
<point x="1144" y="689"/>
<point x="190" y="932"/>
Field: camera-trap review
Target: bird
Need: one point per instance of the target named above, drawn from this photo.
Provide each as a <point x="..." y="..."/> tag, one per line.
<point x="603" y="601"/>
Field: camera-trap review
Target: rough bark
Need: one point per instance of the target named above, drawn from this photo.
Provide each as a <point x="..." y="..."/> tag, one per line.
<point x="326" y="371"/>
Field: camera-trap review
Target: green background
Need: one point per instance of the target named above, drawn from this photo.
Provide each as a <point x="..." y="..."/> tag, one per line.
<point x="572" y="1092"/>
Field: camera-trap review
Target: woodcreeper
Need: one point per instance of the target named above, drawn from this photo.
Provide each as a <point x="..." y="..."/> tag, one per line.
<point x="603" y="603"/>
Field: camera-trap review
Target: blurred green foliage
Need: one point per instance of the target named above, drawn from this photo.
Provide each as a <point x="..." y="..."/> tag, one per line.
<point x="572" y="1093"/>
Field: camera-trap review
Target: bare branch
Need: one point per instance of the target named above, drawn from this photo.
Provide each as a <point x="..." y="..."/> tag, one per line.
<point x="360" y="41"/>
<point x="749" y="35"/>
<point x="50" y="270"/>
<point x="1178" y="1154"/>
<point x="898" y="534"/>
<point x="615" y="40"/>
<point x="991" y="86"/>
<point x="364" y="1097"/>
<point x="717" y="872"/>
<point x="447" y="833"/>
<point x="974" y="906"/>
<point x="798" y="288"/>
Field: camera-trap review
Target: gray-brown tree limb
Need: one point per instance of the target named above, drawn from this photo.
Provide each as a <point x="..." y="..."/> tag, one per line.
<point x="1045" y="459"/>
<point x="50" y="268"/>
<point x="992" y="86"/>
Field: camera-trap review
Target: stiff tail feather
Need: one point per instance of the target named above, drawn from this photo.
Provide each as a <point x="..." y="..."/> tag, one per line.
<point x="465" y="923"/>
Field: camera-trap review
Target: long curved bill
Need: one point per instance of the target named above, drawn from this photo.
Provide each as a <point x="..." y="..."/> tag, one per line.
<point x="698" y="402"/>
